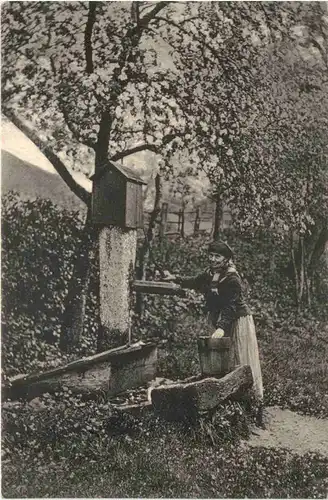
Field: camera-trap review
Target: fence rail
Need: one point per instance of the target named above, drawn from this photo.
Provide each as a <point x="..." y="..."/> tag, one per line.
<point x="186" y="222"/>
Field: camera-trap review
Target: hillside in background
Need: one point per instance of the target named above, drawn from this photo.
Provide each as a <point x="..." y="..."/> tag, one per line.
<point x="32" y="182"/>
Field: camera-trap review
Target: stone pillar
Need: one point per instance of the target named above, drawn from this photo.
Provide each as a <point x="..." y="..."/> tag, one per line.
<point x="117" y="254"/>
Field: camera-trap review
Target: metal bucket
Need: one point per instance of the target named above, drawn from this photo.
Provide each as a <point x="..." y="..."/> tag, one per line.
<point x="214" y="356"/>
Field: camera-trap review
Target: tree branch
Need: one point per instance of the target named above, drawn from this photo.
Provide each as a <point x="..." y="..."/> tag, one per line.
<point x="103" y="139"/>
<point x="58" y="165"/>
<point x="88" y="36"/>
<point x="207" y="46"/>
<point x="74" y="130"/>
<point x="134" y="150"/>
<point x="146" y="147"/>
<point x="127" y="56"/>
<point x="145" y="20"/>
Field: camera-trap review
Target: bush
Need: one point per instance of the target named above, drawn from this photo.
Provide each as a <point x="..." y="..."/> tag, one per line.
<point x="39" y="241"/>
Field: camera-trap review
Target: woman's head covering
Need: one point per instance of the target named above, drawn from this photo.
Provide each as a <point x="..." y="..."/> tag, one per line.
<point x="220" y="248"/>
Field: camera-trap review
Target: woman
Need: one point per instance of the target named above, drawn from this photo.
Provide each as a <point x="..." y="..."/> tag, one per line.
<point x="227" y="312"/>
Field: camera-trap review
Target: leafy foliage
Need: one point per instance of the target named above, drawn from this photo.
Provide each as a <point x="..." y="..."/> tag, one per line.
<point x="195" y="80"/>
<point x="39" y="241"/>
<point x="75" y="61"/>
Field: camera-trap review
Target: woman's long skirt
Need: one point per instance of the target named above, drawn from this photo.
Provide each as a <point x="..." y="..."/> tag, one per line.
<point x="245" y="351"/>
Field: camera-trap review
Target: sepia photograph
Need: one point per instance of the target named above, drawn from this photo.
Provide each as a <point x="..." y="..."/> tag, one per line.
<point x="164" y="262"/>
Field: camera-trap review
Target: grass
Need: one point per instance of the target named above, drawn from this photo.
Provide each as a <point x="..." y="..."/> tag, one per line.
<point x="295" y="367"/>
<point x="168" y="465"/>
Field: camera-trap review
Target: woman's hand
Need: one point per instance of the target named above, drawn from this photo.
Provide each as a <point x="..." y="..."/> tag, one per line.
<point x="218" y="333"/>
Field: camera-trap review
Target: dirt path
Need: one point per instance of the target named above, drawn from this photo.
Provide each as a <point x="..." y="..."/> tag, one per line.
<point x="298" y="433"/>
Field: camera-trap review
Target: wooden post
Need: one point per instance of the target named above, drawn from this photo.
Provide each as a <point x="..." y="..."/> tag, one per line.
<point x="163" y="223"/>
<point x="181" y="222"/>
<point x="117" y="208"/>
<point x="117" y="253"/>
<point x="182" y="218"/>
<point x="197" y="221"/>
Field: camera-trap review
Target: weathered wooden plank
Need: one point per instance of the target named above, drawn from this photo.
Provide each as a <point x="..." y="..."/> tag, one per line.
<point x="111" y="371"/>
<point x="95" y="380"/>
<point x="129" y="371"/>
<point x="214" y="356"/>
<point x="158" y="287"/>
<point x="79" y="364"/>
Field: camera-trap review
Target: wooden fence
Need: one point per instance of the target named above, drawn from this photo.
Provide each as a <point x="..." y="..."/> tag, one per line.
<point x="185" y="222"/>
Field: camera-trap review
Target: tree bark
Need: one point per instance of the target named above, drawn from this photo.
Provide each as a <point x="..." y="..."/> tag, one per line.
<point x="182" y="226"/>
<point x="314" y="247"/>
<point x="88" y="37"/>
<point x="299" y="270"/>
<point x="318" y="250"/>
<point x="302" y="274"/>
<point x="75" y="300"/>
<point x="197" y="222"/>
<point x="295" y="271"/>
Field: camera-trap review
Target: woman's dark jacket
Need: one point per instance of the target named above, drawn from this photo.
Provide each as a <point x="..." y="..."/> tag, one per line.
<point x="224" y="300"/>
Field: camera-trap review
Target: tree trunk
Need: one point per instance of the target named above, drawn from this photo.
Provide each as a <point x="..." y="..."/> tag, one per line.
<point x="299" y="271"/>
<point x="295" y="272"/>
<point x="218" y="216"/>
<point x="314" y="247"/>
<point x="197" y="222"/>
<point x="75" y="300"/>
<point x="302" y="274"/>
<point x="163" y="222"/>
<point x="318" y="250"/>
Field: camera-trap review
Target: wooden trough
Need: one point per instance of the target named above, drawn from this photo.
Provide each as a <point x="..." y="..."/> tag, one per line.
<point x="109" y="372"/>
<point x="188" y="400"/>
